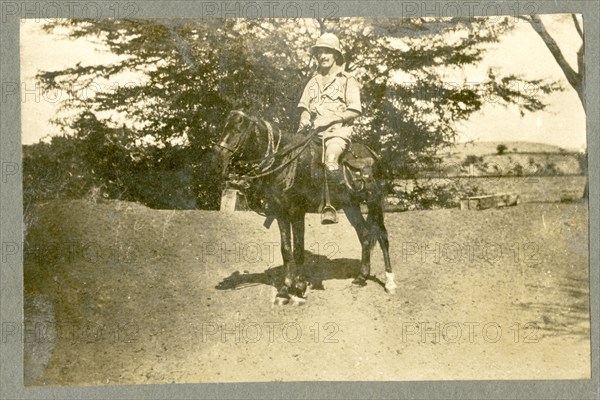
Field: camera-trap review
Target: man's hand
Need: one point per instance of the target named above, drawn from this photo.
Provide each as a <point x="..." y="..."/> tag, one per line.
<point x="304" y="121"/>
<point x="324" y="122"/>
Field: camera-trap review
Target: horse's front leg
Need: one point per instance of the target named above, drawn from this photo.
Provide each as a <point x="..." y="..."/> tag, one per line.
<point x="300" y="284"/>
<point x="286" y="253"/>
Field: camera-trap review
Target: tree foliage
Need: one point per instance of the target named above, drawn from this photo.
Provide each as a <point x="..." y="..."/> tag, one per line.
<point x="190" y="73"/>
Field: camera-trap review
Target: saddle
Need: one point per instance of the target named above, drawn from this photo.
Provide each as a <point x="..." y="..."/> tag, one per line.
<point x="358" y="166"/>
<point x="357" y="163"/>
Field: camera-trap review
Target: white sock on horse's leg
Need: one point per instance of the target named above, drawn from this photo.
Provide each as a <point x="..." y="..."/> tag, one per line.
<point x="390" y="284"/>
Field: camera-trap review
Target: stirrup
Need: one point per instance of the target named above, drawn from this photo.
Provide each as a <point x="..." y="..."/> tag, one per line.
<point x="328" y="215"/>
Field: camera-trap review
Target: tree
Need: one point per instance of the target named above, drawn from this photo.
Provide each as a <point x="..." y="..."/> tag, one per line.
<point x="193" y="72"/>
<point x="500" y="149"/>
<point x="575" y="78"/>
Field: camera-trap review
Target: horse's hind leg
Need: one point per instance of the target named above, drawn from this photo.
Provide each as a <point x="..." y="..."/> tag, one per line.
<point x="358" y="222"/>
<point x="375" y="220"/>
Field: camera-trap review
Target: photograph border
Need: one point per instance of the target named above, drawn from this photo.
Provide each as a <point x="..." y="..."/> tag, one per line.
<point x="11" y="207"/>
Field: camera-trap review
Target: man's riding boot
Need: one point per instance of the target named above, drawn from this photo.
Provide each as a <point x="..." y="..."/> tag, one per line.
<point x="334" y="177"/>
<point x="328" y="214"/>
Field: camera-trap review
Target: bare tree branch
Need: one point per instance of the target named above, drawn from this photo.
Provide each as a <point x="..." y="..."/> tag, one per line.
<point x="577" y="26"/>
<point x="581" y="73"/>
<point x="322" y="27"/>
<point x="573" y="77"/>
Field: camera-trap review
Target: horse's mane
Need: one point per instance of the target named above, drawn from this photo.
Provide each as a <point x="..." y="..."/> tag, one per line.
<point x="275" y="171"/>
<point x="285" y="161"/>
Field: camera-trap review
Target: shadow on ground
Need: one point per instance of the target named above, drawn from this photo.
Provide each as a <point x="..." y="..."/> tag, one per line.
<point x="317" y="268"/>
<point x="566" y="317"/>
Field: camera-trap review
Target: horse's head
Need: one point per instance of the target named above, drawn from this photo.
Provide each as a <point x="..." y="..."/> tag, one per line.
<point x="238" y="129"/>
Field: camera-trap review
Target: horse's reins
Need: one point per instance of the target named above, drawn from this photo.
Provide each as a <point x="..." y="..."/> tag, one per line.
<point x="283" y="165"/>
<point x="266" y="162"/>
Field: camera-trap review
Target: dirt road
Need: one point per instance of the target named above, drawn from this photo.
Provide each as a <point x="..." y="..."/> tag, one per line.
<point x="124" y="294"/>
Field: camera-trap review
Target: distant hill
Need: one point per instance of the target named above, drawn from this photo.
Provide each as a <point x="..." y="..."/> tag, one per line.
<point x="460" y="150"/>
<point x="519" y="158"/>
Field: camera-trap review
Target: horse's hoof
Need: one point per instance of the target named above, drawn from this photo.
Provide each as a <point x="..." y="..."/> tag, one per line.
<point x="281" y="301"/>
<point x="299" y="291"/>
<point x="297" y="301"/>
<point x="360" y="281"/>
<point x="391" y="291"/>
<point x="301" y="286"/>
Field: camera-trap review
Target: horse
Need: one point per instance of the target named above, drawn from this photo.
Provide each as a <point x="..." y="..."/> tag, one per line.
<point x="280" y="172"/>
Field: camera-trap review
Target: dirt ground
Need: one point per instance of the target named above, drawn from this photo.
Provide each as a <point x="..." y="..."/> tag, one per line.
<point x="117" y="293"/>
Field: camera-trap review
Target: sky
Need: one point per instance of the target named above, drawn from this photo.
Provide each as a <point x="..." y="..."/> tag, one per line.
<point x="520" y="52"/>
<point x="523" y="52"/>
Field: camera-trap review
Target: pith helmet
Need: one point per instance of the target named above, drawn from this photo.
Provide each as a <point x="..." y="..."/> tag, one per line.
<point x="330" y="41"/>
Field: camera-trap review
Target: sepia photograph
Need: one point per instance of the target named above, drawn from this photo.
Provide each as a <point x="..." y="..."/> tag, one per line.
<point x="221" y="200"/>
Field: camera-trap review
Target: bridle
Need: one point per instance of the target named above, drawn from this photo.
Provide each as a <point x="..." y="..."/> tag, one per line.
<point x="263" y="166"/>
<point x="224" y="146"/>
<point x="272" y="142"/>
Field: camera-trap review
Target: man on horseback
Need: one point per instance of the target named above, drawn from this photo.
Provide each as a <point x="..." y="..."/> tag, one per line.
<point x="330" y="102"/>
<point x="284" y="177"/>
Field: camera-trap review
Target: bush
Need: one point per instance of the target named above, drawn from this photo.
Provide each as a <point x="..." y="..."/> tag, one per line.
<point x="472" y="159"/>
<point x="96" y="164"/>
<point x="432" y="195"/>
<point x="501" y="148"/>
<point x="55" y="170"/>
<point x="551" y="169"/>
